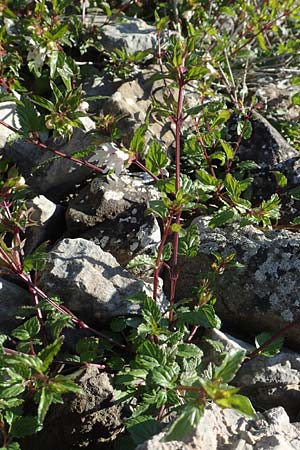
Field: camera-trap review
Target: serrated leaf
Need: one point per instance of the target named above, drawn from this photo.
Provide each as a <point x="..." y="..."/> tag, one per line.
<point x="37" y="260"/>
<point x="48" y="353"/>
<point x="247" y="130"/>
<point x="164" y="376"/>
<point x="27" y="330"/>
<point x="189" y="351"/>
<point x="222" y="118"/>
<point x="137" y="142"/>
<point x="28" y="117"/>
<point x="143" y="428"/>
<point x="62" y="384"/>
<point x="156" y="159"/>
<point x="230" y="365"/>
<point x="239" y="403"/>
<point x="189" y="243"/>
<point x="46" y="399"/>
<point x="14" y="390"/>
<point x="273" y="348"/>
<point x="280" y="178"/>
<point x="221" y="218"/>
<point x="227" y="149"/>
<point x="141" y="260"/>
<point x="185" y="423"/>
<point x="24" y="426"/>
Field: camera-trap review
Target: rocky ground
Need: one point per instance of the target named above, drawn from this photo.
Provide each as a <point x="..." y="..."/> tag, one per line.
<point x="96" y="224"/>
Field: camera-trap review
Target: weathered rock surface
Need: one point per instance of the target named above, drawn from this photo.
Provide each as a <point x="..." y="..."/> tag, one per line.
<point x="266" y="146"/>
<point x="47" y="222"/>
<point x="51" y="176"/>
<point x="268" y="382"/>
<point x="12" y="297"/>
<point x="133" y="34"/>
<point x="89" y="281"/>
<point x="9" y="116"/>
<point x="221" y="429"/>
<point x="129" y="234"/>
<point x="264" y="294"/>
<point x="86" y="421"/>
<point x="106" y="197"/>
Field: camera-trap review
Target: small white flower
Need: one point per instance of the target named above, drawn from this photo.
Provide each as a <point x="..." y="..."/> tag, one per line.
<point x="9" y="25"/>
<point x="113" y="158"/>
<point x="83" y="107"/>
<point x="38" y="55"/>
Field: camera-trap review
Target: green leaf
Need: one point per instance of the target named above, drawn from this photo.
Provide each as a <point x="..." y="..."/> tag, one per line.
<point x="247" y="130"/>
<point x="43" y="102"/>
<point x="137" y="142"/>
<point x="24" y="426"/>
<point x="46" y="399"/>
<point x="48" y="353"/>
<point x="14" y="390"/>
<point x="141" y="260"/>
<point x="12" y="446"/>
<point x="62" y="384"/>
<point x="295" y="193"/>
<point x="227" y="149"/>
<point x="185" y="423"/>
<point x="296" y="99"/>
<point x="156" y="159"/>
<point x="37" y="260"/>
<point x="223" y="216"/>
<point x="27" y="330"/>
<point x="273" y="348"/>
<point x="158" y="208"/>
<point x="222" y="118"/>
<point x="189" y="351"/>
<point x="29" y="119"/>
<point x="164" y="376"/>
<point x="230" y="365"/>
<point x="280" y="178"/>
<point x="239" y="403"/>
<point x="189" y="243"/>
<point x="142" y="428"/>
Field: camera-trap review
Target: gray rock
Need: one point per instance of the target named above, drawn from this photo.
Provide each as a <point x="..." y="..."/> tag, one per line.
<point x="8" y="115"/>
<point x="47" y="222"/>
<point x="268" y="382"/>
<point x="129" y="234"/>
<point x="261" y="296"/>
<point x="51" y="176"/>
<point x="106" y="197"/>
<point x="89" y="281"/>
<point x="266" y="146"/>
<point x="133" y="34"/>
<point x="221" y="429"/>
<point x="12" y="297"/>
<point x="89" y="420"/>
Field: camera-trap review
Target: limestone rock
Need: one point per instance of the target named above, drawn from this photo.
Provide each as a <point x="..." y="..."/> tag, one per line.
<point x="89" y="420"/>
<point x="89" y="281"/>
<point x="268" y="382"/>
<point x="47" y="222"/>
<point x="12" y="297"/>
<point x="221" y="429"/>
<point x="106" y="197"/>
<point x="133" y="34"/>
<point x="129" y="234"/>
<point x="9" y="116"/>
<point x="264" y="294"/>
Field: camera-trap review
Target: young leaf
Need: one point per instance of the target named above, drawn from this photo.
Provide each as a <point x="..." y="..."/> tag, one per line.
<point x="137" y="142"/>
<point x="222" y="217"/>
<point x="24" y="426"/>
<point x="273" y="348"/>
<point x="27" y="330"/>
<point x="239" y="403"/>
<point x="46" y="399"/>
<point x="280" y="178"/>
<point x="230" y="365"/>
<point x="142" y="428"/>
<point x="48" y="353"/>
<point x="185" y="423"/>
<point x="164" y="376"/>
<point x="156" y="159"/>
